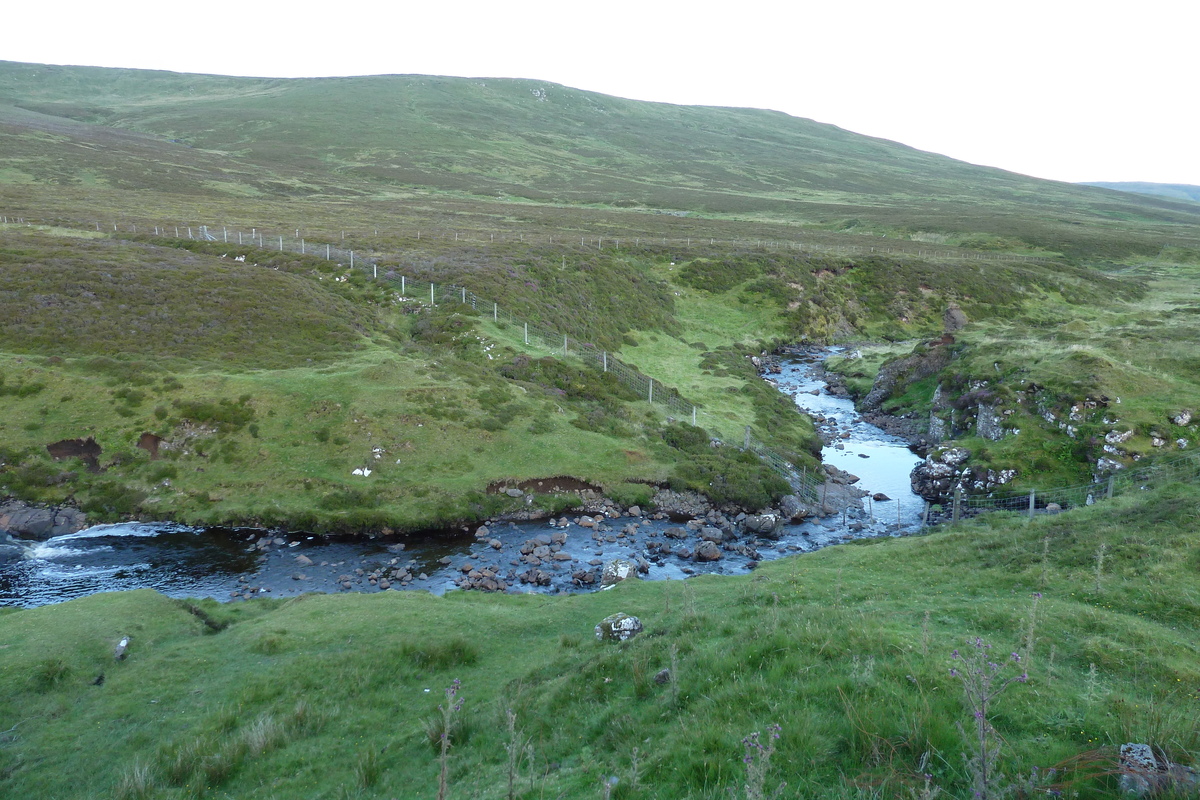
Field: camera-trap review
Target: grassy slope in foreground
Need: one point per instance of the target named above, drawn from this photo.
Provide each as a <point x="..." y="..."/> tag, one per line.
<point x="847" y="649"/>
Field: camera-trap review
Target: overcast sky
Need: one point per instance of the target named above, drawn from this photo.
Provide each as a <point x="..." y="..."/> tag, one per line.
<point x="1073" y="90"/>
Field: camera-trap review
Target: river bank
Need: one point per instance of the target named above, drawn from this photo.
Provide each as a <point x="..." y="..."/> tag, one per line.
<point x="675" y="535"/>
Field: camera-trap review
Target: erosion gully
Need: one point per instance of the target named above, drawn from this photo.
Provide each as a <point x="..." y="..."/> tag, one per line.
<point x="231" y="564"/>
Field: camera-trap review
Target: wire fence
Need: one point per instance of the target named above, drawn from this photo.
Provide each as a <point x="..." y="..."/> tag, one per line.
<point x="297" y="240"/>
<point x="804" y="484"/>
<point x="658" y="394"/>
<point x="654" y="392"/>
<point x="1181" y="468"/>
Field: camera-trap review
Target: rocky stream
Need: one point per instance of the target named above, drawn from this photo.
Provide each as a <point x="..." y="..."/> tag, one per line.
<point x="866" y="494"/>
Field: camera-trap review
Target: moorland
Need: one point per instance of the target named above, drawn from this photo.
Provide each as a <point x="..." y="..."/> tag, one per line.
<point x="684" y="240"/>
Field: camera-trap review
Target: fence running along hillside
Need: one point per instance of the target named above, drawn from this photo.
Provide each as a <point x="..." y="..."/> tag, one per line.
<point x="655" y="392"/>
<point x="296" y="242"/>
<point x="805" y="485"/>
<point x="1181" y="468"/>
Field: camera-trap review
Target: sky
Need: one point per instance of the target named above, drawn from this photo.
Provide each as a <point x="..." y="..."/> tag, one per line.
<point x="1060" y="89"/>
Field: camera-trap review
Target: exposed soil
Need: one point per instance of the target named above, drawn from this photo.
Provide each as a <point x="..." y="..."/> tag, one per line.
<point x="149" y="442"/>
<point x="86" y="450"/>
<point x="562" y="483"/>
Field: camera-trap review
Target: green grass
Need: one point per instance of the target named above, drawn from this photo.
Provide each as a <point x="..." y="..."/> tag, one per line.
<point x="847" y="649"/>
<point x="1065" y="376"/>
<point x="496" y="150"/>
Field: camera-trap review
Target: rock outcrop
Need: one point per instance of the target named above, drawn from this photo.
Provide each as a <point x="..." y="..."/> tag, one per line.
<point x="26" y="521"/>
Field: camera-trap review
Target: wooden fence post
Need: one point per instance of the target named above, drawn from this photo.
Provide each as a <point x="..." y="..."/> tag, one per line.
<point x="957" y="503"/>
<point x="1032" y="502"/>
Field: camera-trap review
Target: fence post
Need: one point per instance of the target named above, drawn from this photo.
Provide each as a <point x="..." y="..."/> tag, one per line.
<point x="351" y="259"/>
<point x="375" y="271"/>
<point x="746" y="441"/>
<point x="495" y="313"/>
<point x="605" y="357"/>
<point x="326" y="251"/>
<point x="693" y="416"/>
<point x="402" y="280"/>
<point x="957" y="502"/>
<point x="432" y="302"/>
<point x="652" y="390"/>
<point x="464" y="295"/>
<point x="1032" y="502"/>
<point x="189" y="232"/>
<point x="223" y="230"/>
<point x="281" y="244"/>
<point x="1112" y="479"/>
<point x="526" y="333"/>
<point x="301" y="247"/>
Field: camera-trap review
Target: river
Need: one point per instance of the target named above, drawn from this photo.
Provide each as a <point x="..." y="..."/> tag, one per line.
<point x="231" y="564"/>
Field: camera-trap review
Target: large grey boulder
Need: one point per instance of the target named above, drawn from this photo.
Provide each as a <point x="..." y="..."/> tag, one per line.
<point x="1145" y="772"/>
<point x="616" y="571"/>
<point x="618" y="627"/>
<point x="707" y="551"/>
<point x="792" y="509"/>
<point x="954" y="319"/>
<point x="765" y="525"/>
<point x="27" y="521"/>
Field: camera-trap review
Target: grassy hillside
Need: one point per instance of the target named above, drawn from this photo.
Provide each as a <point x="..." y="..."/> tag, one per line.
<point x="269" y="382"/>
<point x="1080" y="383"/>
<point x="1178" y="191"/>
<point x="495" y="141"/>
<point x="848" y="651"/>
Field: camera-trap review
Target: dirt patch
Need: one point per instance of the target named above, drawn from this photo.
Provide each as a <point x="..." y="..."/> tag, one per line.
<point x="562" y="483"/>
<point x="149" y="442"/>
<point x="86" y="450"/>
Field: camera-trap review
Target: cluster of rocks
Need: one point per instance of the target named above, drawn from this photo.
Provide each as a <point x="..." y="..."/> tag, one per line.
<point x="28" y="521"/>
<point x="945" y="470"/>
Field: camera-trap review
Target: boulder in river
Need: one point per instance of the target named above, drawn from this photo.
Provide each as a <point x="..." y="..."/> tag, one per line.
<point x="616" y="571"/>
<point x="707" y="551"/>
<point x="765" y="525"/>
